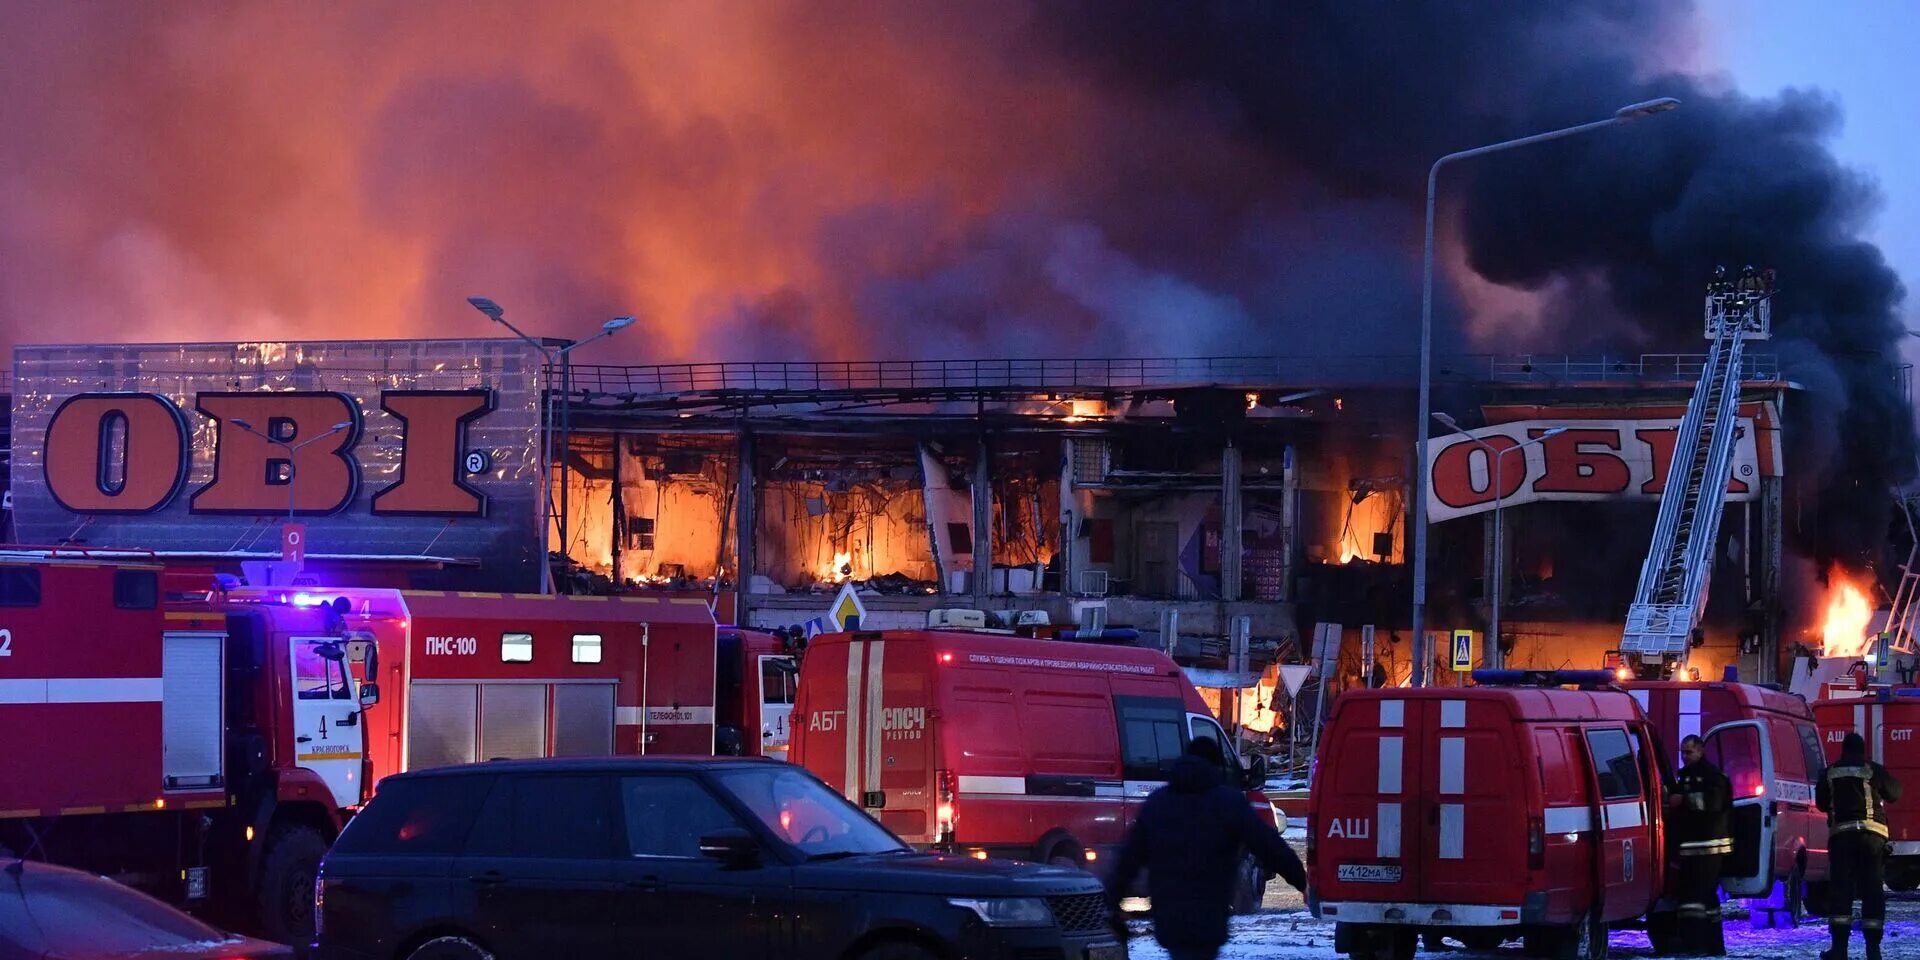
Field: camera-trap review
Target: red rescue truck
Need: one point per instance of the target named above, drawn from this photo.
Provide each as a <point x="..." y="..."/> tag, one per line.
<point x="1887" y="719"/>
<point x="1767" y="744"/>
<point x="999" y="745"/>
<point x="161" y="735"/>
<point x="1488" y="812"/>
<point x="758" y="680"/>
<point x="478" y="676"/>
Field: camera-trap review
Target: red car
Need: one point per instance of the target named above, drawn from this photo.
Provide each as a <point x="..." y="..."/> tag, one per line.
<point x="54" y="913"/>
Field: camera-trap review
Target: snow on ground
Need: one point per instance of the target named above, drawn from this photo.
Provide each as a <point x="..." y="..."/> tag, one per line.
<point x="1285" y="931"/>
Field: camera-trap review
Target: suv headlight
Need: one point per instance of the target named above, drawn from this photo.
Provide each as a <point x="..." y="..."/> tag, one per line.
<point x="1008" y="911"/>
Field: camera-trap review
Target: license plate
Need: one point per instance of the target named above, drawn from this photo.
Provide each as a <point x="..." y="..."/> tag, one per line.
<point x="1369" y="873"/>
<point x="1107" y="951"/>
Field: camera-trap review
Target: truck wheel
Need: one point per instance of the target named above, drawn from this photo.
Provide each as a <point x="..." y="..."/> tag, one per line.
<point x="286" y="884"/>
<point x="1797" y="896"/>
<point x="1904" y="877"/>
<point x="1249" y="887"/>
<point x="449" y="948"/>
<point x="1585" y="940"/>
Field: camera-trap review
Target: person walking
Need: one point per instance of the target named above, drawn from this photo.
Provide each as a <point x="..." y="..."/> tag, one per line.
<point x="1189" y="837"/>
<point x="1700" y="802"/>
<point x="1854" y="794"/>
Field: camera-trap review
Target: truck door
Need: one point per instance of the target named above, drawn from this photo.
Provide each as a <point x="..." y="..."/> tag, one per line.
<point x="326" y="716"/>
<point x="1620" y="806"/>
<point x="1476" y="792"/>
<point x="777" y="683"/>
<point x="1742" y="751"/>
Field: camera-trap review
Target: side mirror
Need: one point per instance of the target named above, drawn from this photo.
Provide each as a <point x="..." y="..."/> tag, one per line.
<point x="1256" y="772"/>
<point x="330" y="651"/>
<point x="369" y="694"/>
<point x="734" y="847"/>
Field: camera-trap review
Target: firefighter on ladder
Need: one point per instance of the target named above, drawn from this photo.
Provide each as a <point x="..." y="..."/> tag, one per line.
<point x="1700" y="800"/>
<point x="1854" y="794"/>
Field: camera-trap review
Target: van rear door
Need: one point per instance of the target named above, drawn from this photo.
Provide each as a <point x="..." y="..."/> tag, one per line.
<point x="1743" y="751"/>
<point x="1367" y="825"/>
<point x="1475" y="798"/>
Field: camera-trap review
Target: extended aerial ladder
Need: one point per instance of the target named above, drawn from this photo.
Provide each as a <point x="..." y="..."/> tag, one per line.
<point x="1672" y="595"/>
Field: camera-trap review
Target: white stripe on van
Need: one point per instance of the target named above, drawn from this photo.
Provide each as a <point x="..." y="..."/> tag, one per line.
<point x="1453" y="766"/>
<point x="876" y="684"/>
<point x="1623" y="815"/>
<point x="1393" y="713"/>
<point x="856" y="652"/>
<point x="1109" y="789"/>
<point x="1568" y="820"/>
<point x="978" y="784"/>
<point x="1879" y="733"/>
<point x="1453" y="833"/>
<point x="1387" y="816"/>
<point x="1689" y="714"/>
<point x="1392" y="759"/>
<point x="1453" y="713"/>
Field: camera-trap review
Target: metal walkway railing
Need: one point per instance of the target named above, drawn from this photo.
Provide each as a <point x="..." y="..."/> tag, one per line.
<point x="1140" y="372"/>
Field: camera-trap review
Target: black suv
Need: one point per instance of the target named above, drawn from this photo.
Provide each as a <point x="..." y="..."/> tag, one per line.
<point x="684" y="859"/>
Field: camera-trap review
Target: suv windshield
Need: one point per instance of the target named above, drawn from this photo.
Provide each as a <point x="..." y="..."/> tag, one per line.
<point x="803" y="812"/>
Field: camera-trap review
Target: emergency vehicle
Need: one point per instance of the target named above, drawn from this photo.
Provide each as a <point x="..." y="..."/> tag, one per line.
<point x="1489" y="812"/>
<point x="163" y="736"/>
<point x="480" y="676"/>
<point x="1767" y="744"/>
<point x="1002" y="746"/>
<point x="1886" y="718"/>
<point x="756" y="685"/>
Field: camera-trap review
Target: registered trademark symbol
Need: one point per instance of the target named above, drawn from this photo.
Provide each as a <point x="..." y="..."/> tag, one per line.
<point x="478" y="462"/>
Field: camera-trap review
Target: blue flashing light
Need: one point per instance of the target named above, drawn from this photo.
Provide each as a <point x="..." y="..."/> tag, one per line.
<point x="1499" y="678"/>
<point x="1732" y="674"/>
<point x="306" y="600"/>
<point x="1907" y="692"/>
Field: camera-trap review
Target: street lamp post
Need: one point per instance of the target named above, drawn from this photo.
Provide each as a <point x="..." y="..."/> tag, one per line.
<point x="1497" y="456"/>
<point x="291" y="449"/>
<point x="499" y="315"/>
<point x="1421" y="652"/>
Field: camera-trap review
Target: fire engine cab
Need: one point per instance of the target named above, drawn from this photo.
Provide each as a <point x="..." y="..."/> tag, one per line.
<point x="1887" y="718"/>
<point x="163" y="735"/>
<point x="1767" y="744"/>
<point x="995" y="745"/>
<point x="1491" y="812"/>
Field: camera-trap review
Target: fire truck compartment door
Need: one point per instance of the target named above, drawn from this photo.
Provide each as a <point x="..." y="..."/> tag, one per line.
<point x="326" y="719"/>
<point x="778" y="680"/>
<point x="190" y="715"/>
<point x="1744" y="753"/>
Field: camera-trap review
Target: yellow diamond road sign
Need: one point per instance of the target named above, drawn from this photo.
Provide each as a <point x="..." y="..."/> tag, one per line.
<point x="846" y="606"/>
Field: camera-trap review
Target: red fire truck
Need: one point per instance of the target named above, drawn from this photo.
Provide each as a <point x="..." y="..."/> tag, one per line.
<point x="1766" y="742"/>
<point x="162" y="735"/>
<point x="475" y="676"/>
<point x="1488" y="812"/>
<point x="998" y="745"/>
<point x="758" y="679"/>
<point x="1887" y="719"/>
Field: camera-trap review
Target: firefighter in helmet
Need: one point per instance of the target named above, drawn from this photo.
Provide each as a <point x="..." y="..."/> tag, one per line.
<point x="1699" y="805"/>
<point x="1854" y="794"/>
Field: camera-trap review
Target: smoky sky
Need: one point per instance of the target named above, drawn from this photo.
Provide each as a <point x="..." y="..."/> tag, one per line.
<point x="785" y="180"/>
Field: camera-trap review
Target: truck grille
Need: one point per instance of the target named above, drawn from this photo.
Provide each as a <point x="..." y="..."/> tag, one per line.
<point x="1080" y="912"/>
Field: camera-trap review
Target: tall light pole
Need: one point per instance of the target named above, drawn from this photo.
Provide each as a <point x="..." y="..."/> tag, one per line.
<point x="1497" y="456"/>
<point x="499" y="315"/>
<point x="291" y="449"/>
<point x="1422" y="654"/>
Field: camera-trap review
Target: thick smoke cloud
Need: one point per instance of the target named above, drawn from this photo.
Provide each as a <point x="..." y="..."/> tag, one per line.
<point x="1085" y="177"/>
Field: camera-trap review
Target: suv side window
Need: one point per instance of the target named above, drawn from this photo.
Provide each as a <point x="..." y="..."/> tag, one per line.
<point x="667" y="816"/>
<point x="566" y="817"/>
<point x="1810" y="746"/>
<point x="423" y="816"/>
<point x="1151" y="735"/>
<point x="1614" y="764"/>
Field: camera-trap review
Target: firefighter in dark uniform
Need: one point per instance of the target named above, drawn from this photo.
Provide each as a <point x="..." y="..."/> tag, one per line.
<point x="1854" y="794"/>
<point x="1699" y="805"/>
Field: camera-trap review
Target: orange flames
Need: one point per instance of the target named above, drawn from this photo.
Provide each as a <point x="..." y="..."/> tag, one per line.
<point x="1843" y="627"/>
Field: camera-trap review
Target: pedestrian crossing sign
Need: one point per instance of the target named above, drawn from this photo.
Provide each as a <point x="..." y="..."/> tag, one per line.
<point x="1462" y="651"/>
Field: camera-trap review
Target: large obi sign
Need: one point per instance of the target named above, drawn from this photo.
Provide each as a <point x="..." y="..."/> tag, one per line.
<point x="108" y="453"/>
<point x="1602" y="454"/>
<point x="382" y="448"/>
